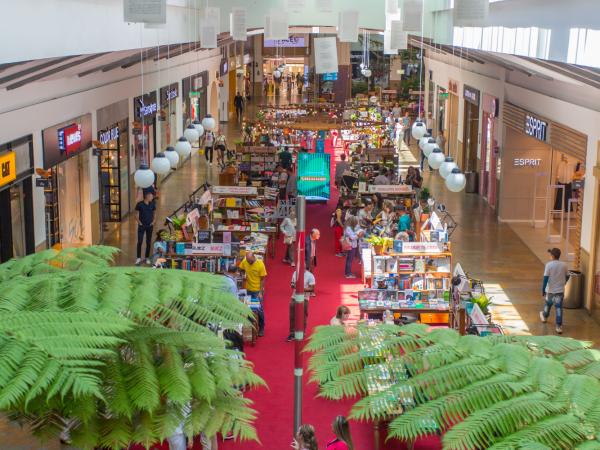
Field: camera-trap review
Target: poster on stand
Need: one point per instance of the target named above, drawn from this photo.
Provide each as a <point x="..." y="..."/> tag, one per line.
<point x="326" y="60"/>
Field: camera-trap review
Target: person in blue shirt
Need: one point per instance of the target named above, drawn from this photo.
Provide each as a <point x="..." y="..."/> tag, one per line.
<point x="231" y="280"/>
<point x="403" y="220"/>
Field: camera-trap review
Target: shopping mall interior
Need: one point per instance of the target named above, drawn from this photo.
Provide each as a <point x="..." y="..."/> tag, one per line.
<point x="300" y="224"/>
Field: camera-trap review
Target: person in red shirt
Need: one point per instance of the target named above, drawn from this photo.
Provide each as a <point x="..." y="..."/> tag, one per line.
<point x="343" y="439"/>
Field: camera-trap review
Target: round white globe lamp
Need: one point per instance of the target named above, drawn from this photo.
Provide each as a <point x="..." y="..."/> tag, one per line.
<point x="428" y="147"/>
<point x="183" y="148"/>
<point x="143" y="177"/>
<point x="191" y="134"/>
<point x="436" y="158"/>
<point x="209" y="123"/>
<point x="367" y="72"/>
<point x="198" y="126"/>
<point x="160" y="164"/>
<point x="418" y="129"/>
<point x="172" y="156"/>
<point x="424" y="141"/>
<point x="456" y="181"/>
<point x="277" y="74"/>
<point x="447" y="166"/>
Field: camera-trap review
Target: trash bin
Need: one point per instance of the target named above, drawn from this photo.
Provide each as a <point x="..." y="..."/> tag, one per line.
<point x="472" y="185"/>
<point x="574" y="290"/>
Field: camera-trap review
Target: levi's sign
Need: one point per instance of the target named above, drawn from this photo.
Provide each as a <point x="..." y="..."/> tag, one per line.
<point x="536" y="128"/>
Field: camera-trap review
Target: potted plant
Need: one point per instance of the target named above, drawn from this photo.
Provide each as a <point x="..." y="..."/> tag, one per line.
<point x="378" y="243"/>
<point x="484" y="302"/>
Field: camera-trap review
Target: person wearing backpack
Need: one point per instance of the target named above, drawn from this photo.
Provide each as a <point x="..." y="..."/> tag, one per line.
<point x="337" y="224"/>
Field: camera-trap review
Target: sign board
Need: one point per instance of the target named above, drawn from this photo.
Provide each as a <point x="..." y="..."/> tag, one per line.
<point x="238" y="24"/>
<point x="444" y="95"/>
<point x="314" y="175"/>
<point x="422" y="247"/>
<point x="527" y="162"/>
<point x="470" y="12"/>
<point x="8" y="168"/>
<point x="145" y="106"/>
<point x="168" y="93"/>
<point x="536" y="128"/>
<point x="348" y="26"/>
<point x="330" y="76"/>
<point x="67" y="139"/>
<point x="145" y="11"/>
<point x="412" y="11"/>
<point x="291" y="42"/>
<point x="42" y="182"/>
<point x="110" y="134"/>
<point x="326" y="60"/>
<point x="204" y="237"/>
<point x="193" y="248"/>
<point x="471" y="95"/>
<point x="234" y="190"/>
<point x="390" y="189"/>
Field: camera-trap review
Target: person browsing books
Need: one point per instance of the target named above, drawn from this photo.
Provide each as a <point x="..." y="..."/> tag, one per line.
<point x="255" y="278"/>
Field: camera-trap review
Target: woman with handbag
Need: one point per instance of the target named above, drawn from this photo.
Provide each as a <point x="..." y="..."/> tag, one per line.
<point x="288" y="228"/>
<point x="352" y="234"/>
<point x="337" y="223"/>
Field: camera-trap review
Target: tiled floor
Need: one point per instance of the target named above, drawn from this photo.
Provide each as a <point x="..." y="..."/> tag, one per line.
<point x="486" y="249"/>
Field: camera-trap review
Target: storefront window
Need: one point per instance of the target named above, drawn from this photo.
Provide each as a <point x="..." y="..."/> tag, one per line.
<point x="168" y="126"/>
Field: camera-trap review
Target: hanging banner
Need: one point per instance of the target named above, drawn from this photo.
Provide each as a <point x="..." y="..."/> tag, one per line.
<point x="470" y="12"/>
<point x="348" y="26"/>
<point x="276" y="26"/>
<point x="238" y="27"/>
<point x="324" y="5"/>
<point x="296" y="5"/>
<point x="212" y="15"/>
<point x="208" y="35"/>
<point x="398" y="37"/>
<point x="145" y="11"/>
<point x="326" y="60"/>
<point x="412" y="15"/>
<point x="391" y="7"/>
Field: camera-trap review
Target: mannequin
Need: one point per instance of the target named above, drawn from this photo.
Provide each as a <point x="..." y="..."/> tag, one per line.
<point x="564" y="177"/>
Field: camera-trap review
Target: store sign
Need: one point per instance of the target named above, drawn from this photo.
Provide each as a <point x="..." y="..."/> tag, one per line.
<point x="422" y="247"/>
<point x="390" y="189"/>
<point x="204" y="249"/>
<point x="197" y="83"/>
<point x="69" y="139"/>
<point x="8" y="168"/>
<point x="145" y="106"/>
<point x="111" y="134"/>
<point x="536" y="128"/>
<point x="65" y="140"/>
<point x="234" y="190"/>
<point x="291" y="42"/>
<point x="471" y="95"/>
<point x="527" y="162"/>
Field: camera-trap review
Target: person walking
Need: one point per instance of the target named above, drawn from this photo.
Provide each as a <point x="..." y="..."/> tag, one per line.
<point x="291" y="189"/>
<point x="310" y="250"/>
<point x="145" y="222"/>
<point x="221" y="146"/>
<point x="238" y="102"/>
<point x="209" y="145"/>
<point x="343" y="438"/>
<point x="406" y="128"/>
<point x="352" y="233"/>
<point x="305" y="438"/>
<point x="340" y="167"/>
<point x="556" y="275"/>
<point x="288" y="228"/>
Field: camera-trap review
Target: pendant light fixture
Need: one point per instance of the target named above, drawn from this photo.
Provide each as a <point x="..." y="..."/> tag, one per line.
<point x="183" y="148"/>
<point x="160" y="164"/>
<point x="419" y="128"/>
<point x="424" y="141"/>
<point x="143" y="176"/>
<point x="191" y="134"/>
<point x="172" y="156"/>
<point x="365" y="71"/>
<point x="199" y="128"/>
<point x="428" y="146"/>
<point x="436" y="158"/>
<point x="456" y="181"/>
<point x="209" y="123"/>
<point x="447" y="166"/>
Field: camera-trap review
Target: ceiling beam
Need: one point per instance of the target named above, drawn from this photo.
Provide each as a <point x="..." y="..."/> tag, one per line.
<point x="39" y="76"/>
<point x="33" y="69"/>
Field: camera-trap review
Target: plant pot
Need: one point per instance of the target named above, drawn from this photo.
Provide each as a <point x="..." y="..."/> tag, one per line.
<point x="378" y="249"/>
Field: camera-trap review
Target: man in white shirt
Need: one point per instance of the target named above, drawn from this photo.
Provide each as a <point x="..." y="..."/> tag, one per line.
<point x="309" y="287"/>
<point x="556" y="275"/>
<point x="340" y="168"/>
<point x="382" y="178"/>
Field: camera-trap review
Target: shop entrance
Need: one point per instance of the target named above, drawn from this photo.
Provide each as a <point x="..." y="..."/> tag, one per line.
<point x="73" y="185"/>
<point x="452" y="125"/>
<point x="470" y="131"/>
<point x="16" y="220"/>
<point x="292" y="79"/>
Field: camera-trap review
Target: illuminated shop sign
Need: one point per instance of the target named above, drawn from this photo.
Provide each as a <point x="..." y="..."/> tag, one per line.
<point x="536" y="128"/>
<point x="8" y="168"/>
<point x="527" y="162"/>
<point x="291" y="42"/>
<point x="111" y="134"/>
<point x="145" y="106"/>
<point x="69" y="139"/>
<point x="471" y="95"/>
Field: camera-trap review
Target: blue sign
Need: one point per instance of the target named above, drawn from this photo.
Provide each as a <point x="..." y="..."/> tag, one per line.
<point x="320" y="146"/>
<point x="314" y="176"/>
<point x="330" y="76"/>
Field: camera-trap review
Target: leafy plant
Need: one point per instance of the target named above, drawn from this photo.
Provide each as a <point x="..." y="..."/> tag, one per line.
<point x="178" y="221"/>
<point x="379" y="241"/>
<point x="119" y="355"/>
<point x="483" y="301"/>
<point x="425" y="194"/>
<point x="499" y="392"/>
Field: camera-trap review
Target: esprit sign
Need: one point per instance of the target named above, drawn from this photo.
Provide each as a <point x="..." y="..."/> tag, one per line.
<point x="111" y="134"/>
<point x="536" y="128"/>
<point x="527" y="162"/>
<point x="69" y="139"/>
<point x="8" y="168"/>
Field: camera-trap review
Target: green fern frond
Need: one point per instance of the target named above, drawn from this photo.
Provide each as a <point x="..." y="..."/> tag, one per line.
<point x="485" y="427"/>
<point x="589" y="445"/>
<point x="579" y="358"/>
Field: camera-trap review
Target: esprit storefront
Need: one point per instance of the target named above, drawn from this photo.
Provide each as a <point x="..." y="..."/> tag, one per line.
<point x="16" y="199"/>
<point x="542" y="179"/>
<point x="66" y="182"/>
